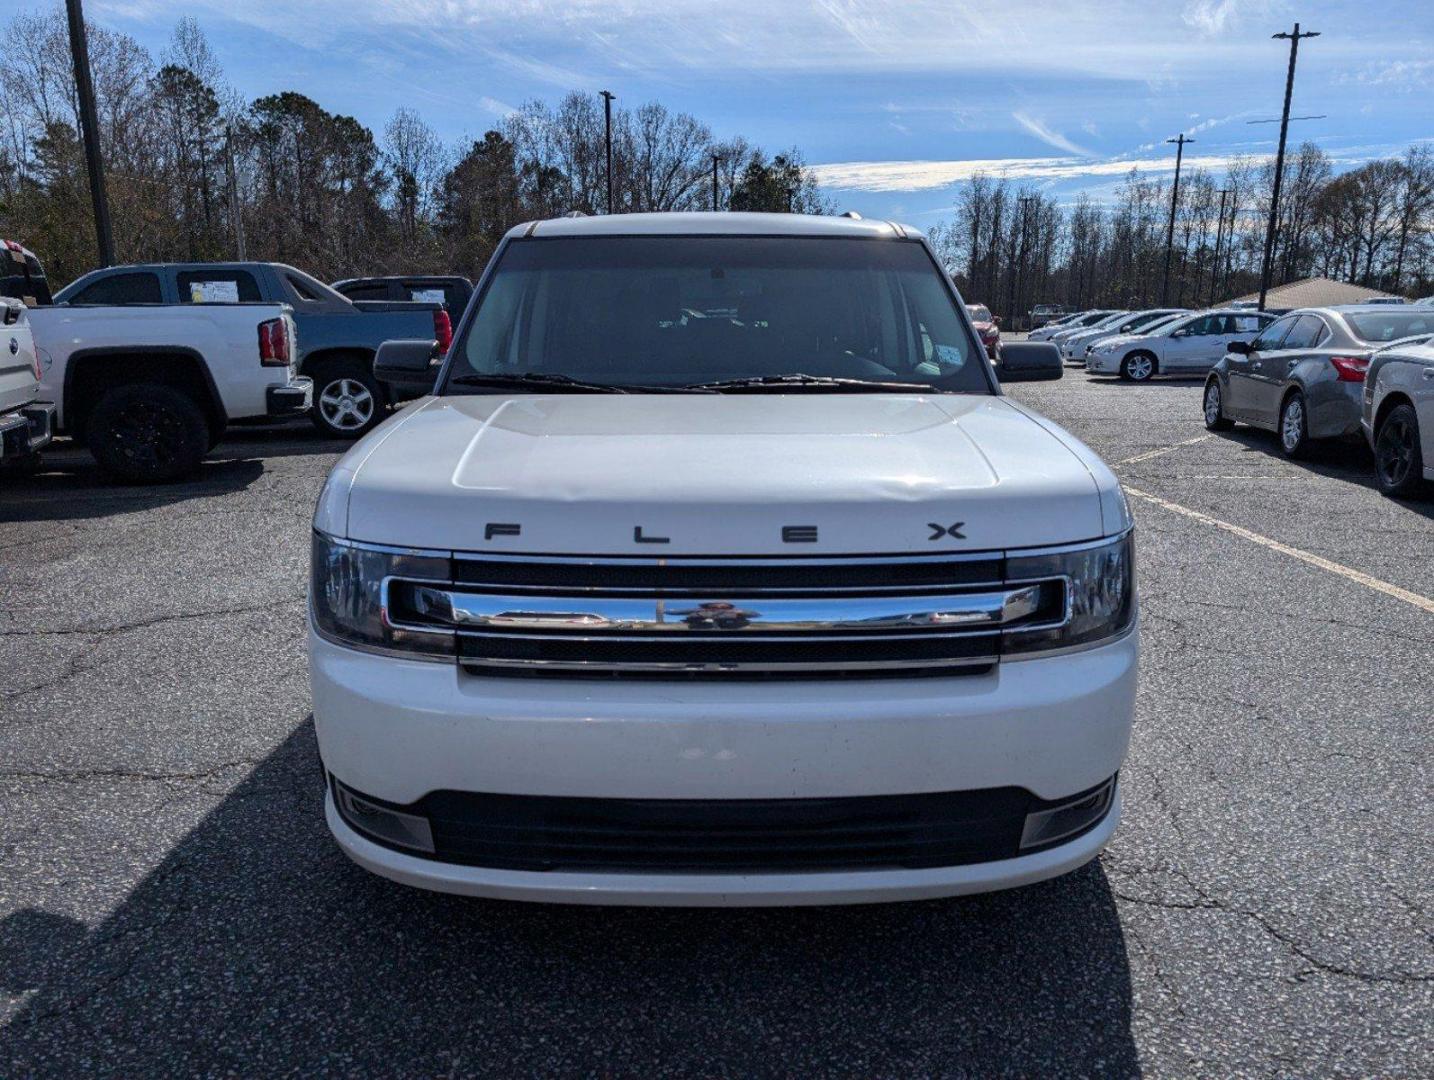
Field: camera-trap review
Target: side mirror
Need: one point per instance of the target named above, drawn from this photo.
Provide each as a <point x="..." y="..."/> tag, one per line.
<point x="1029" y="361"/>
<point x="410" y="363"/>
<point x="1241" y="347"/>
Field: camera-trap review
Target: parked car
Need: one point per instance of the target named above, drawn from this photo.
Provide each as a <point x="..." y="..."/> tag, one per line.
<point x="337" y="338"/>
<point x="784" y="419"/>
<point x="1074" y="347"/>
<point x="1062" y="338"/>
<point x="1044" y="314"/>
<point x="1057" y="324"/>
<point x="1397" y="415"/>
<point x="1190" y="345"/>
<point x="26" y="421"/>
<point x="150" y="388"/>
<point x="450" y="290"/>
<point x="988" y="327"/>
<point x="1385" y="300"/>
<point x="1303" y="376"/>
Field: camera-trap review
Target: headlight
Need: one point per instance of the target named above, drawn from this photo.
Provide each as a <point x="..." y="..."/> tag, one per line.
<point x="1099" y="594"/>
<point x="348" y="596"/>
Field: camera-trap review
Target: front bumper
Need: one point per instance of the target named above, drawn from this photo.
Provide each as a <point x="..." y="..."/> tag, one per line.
<point x="292" y="399"/>
<point x="27" y="429"/>
<point x="722" y="890"/>
<point x="398" y="729"/>
<point x="1102" y="365"/>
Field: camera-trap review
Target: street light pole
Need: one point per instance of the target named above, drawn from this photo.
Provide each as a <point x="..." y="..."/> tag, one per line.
<point x="235" y="217"/>
<point x="715" y="159"/>
<point x="607" y="117"/>
<point x="1294" y="40"/>
<point x="89" y="126"/>
<point x="1174" y="199"/>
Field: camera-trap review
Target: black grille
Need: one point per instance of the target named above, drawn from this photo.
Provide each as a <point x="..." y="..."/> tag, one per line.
<point x="733" y="577"/>
<point x="525" y="832"/>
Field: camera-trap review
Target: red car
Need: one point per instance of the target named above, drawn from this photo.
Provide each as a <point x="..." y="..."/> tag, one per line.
<point x="987" y="326"/>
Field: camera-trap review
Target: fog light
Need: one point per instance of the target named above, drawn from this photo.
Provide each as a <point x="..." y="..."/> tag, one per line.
<point x="1047" y="826"/>
<point x="388" y="826"/>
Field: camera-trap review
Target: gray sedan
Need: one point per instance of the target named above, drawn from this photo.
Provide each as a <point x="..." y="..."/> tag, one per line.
<point x="1398" y="416"/>
<point x="1303" y="376"/>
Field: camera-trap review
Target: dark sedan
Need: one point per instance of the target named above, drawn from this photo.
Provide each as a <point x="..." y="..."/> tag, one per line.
<point x="1303" y="376"/>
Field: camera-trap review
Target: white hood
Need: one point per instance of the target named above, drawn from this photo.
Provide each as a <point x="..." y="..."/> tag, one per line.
<point x="720" y="475"/>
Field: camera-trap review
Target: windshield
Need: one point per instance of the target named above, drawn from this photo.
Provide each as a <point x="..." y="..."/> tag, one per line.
<point x="1378" y="326"/>
<point x="979" y="312"/>
<point x="675" y="311"/>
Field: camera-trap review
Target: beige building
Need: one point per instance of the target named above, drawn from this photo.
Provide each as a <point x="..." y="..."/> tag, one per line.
<point x="1313" y="292"/>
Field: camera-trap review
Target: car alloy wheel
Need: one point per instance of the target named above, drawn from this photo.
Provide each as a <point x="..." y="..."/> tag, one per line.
<point x="1398" y="464"/>
<point x="1292" y="425"/>
<point x="1139" y="367"/>
<point x="1215" y="407"/>
<point x="346" y="404"/>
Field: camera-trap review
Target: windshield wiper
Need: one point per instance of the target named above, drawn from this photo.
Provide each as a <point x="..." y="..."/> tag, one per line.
<point x="801" y="381"/>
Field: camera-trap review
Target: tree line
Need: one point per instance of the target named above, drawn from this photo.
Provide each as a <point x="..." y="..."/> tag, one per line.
<point x="1012" y="246"/>
<point x="190" y="166"/>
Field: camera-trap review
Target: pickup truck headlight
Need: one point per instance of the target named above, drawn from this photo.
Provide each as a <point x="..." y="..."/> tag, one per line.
<point x="1099" y="590"/>
<point x="348" y="596"/>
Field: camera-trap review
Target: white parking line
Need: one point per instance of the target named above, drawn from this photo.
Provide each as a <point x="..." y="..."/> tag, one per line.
<point x="1163" y="450"/>
<point x="1423" y="603"/>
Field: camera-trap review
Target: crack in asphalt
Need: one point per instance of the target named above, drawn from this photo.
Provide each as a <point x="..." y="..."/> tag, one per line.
<point x="158" y="620"/>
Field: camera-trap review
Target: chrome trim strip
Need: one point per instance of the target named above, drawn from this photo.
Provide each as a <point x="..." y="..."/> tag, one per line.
<point x="452" y="609"/>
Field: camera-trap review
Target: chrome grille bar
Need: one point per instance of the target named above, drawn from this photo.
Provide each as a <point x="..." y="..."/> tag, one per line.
<point x="435" y="607"/>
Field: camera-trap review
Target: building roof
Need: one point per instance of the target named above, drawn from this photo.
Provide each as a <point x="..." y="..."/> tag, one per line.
<point x="707" y="223"/>
<point x="1313" y="292"/>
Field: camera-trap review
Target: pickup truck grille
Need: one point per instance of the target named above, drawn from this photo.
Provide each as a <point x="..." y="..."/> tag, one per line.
<point x="724" y="618"/>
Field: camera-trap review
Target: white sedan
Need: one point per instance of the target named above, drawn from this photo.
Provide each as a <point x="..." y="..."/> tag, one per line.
<point x="1139" y="322"/>
<point x="1188" y="346"/>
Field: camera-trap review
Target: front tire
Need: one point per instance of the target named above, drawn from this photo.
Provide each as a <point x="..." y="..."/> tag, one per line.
<point x="147" y="433"/>
<point x="1398" y="460"/>
<point x="1215" y="419"/>
<point x="1294" y="426"/>
<point x="1137" y="367"/>
<point x="348" y="400"/>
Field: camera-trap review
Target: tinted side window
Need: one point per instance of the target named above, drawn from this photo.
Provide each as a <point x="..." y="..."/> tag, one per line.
<point x="1272" y="335"/>
<point x="217" y="286"/>
<point x="1305" y="333"/>
<point x="133" y="288"/>
<point x="374" y="290"/>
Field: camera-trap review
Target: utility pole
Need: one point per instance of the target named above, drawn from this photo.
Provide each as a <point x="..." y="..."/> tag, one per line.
<point x="233" y="170"/>
<point x="715" y="159"/>
<point x="1023" y="280"/>
<point x="607" y="116"/>
<point x="1219" y="236"/>
<point x="1174" y="199"/>
<point x="89" y="126"/>
<point x="1294" y="40"/>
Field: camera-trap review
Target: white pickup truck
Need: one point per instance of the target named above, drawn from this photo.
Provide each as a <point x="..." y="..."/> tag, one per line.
<point x="717" y="569"/>
<point x="150" y="387"/>
<point x="25" y="420"/>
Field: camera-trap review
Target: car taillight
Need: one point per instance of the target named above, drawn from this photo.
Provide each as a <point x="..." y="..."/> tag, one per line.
<point x="442" y="330"/>
<point x="1350" y="368"/>
<point x="274" y="343"/>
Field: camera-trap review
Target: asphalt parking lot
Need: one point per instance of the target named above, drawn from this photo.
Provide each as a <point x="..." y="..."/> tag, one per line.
<point x="170" y="901"/>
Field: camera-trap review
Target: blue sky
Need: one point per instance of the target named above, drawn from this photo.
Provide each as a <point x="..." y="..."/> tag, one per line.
<point x="895" y="101"/>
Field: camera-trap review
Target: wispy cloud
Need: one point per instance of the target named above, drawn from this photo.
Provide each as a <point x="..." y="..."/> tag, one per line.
<point x="1047" y="135"/>
<point x="931" y="175"/>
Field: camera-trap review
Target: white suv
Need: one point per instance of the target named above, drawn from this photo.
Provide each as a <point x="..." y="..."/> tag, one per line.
<point x="718" y="570"/>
